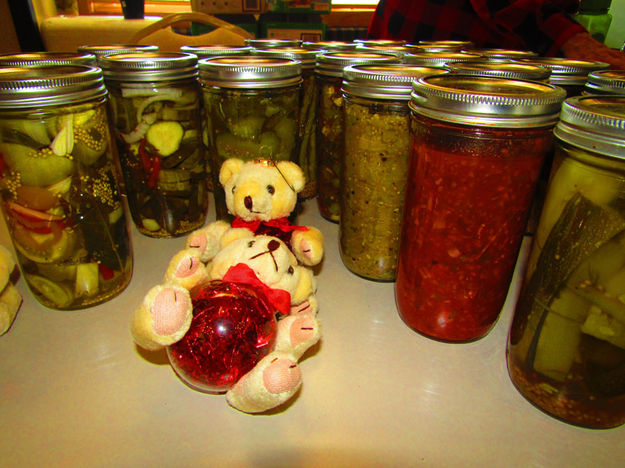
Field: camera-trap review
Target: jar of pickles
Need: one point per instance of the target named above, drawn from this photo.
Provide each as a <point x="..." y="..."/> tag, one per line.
<point x="566" y="348"/>
<point x="252" y="111"/>
<point x="375" y="166"/>
<point x="60" y="196"/>
<point x="477" y="146"/>
<point x="155" y="104"/>
<point x="605" y="82"/>
<point x="331" y="125"/>
<point x="306" y="157"/>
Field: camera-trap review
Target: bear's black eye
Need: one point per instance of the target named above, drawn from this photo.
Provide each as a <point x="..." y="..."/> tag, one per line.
<point x="233" y="188"/>
<point x="250" y="243"/>
<point x="290" y="270"/>
<point x="271" y="189"/>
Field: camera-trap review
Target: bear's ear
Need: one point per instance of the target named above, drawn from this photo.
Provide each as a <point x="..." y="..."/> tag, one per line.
<point x="229" y="169"/>
<point x="293" y="174"/>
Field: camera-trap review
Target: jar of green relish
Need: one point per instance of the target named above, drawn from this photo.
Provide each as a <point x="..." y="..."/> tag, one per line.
<point x="375" y="165"/>
<point x="155" y="104"/>
<point x="252" y="111"/>
<point x="477" y="147"/>
<point x="566" y="348"/>
<point x="59" y="186"/>
<point x="330" y="123"/>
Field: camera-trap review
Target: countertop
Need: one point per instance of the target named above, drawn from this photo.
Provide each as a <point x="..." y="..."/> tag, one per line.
<point x="75" y="391"/>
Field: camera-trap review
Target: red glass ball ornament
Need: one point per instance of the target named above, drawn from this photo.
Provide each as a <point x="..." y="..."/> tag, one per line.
<point x="233" y="327"/>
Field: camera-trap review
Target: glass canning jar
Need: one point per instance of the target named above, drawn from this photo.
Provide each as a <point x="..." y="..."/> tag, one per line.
<point x="155" y="104"/>
<point x="60" y="195"/>
<point x="566" y="348"/>
<point x="567" y="73"/>
<point x="605" y="82"/>
<point x="330" y="137"/>
<point x="252" y="111"/>
<point x="477" y="146"/>
<point x="307" y="155"/>
<point x="375" y="165"/>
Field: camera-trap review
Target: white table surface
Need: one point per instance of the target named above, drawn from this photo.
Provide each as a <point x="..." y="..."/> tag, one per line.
<point x="75" y="391"/>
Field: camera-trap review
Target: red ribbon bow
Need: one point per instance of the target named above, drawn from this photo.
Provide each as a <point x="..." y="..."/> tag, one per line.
<point x="278" y="298"/>
<point x="283" y="224"/>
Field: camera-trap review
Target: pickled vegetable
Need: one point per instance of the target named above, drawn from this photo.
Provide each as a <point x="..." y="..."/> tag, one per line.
<point x="63" y="208"/>
<point x="162" y="157"/>
<point x="372" y="192"/>
<point x="567" y="342"/>
<point x="307" y="158"/>
<point x="250" y="124"/>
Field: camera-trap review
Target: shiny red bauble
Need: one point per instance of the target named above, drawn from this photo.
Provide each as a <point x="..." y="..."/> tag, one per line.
<point x="233" y="328"/>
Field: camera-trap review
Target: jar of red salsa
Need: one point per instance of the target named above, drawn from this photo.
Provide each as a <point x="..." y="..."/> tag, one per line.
<point x="477" y="146"/>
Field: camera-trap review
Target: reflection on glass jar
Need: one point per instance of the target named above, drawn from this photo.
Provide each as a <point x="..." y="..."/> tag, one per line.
<point x="60" y="196"/>
<point x="475" y="160"/>
<point x="566" y="350"/>
<point x="252" y="112"/>
<point x="155" y="103"/>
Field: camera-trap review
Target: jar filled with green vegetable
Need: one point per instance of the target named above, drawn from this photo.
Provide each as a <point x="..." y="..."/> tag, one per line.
<point x="375" y="166"/>
<point x="306" y="157"/>
<point x="156" y="109"/>
<point x="252" y="112"/>
<point x="566" y="348"/>
<point x="331" y="125"/>
<point x="60" y="195"/>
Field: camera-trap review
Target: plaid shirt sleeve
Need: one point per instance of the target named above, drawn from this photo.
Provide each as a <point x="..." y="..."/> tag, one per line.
<point x="538" y="25"/>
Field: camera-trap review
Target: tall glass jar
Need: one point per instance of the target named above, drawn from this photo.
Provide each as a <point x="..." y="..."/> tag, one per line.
<point x="252" y="112"/>
<point x="60" y="196"/>
<point x="375" y="166"/>
<point x="307" y="155"/>
<point x="605" y="82"/>
<point x="477" y="146"/>
<point x="156" y="103"/>
<point x="566" y="348"/>
<point x="331" y="125"/>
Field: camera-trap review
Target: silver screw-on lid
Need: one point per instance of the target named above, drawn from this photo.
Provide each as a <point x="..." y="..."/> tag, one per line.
<point x="438" y="59"/>
<point x="488" y="101"/>
<point x="606" y="82"/>
<point x="566" y="71"/>
<point x="594" y="123"/>
<point x="250" y="71"/>
<point x="268" y="43"/>
<point x="391" y="81"/>
<point x="33" y="87"/>
<point x="215" y="50"/>
<point x="514" y="70"/>
<point x="104" y="50"/>
<point x="333" y="63"/>
<point x="38" y="59"/>
<point x="308" y="57"/>
<point x="149" y="66"/>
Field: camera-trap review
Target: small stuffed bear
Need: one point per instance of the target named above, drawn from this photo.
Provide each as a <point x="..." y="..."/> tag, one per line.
<point x="261" y="194"/>
<point x="265" y="262"/>
<point x="10" y="298"/>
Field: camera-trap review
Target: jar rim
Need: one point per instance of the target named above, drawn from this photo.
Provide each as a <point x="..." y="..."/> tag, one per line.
<point x="250" y="71"/>
<point x="149" y="66"/>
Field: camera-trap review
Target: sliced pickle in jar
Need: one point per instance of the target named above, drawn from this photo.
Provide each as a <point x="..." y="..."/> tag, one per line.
<point x="51" y="247"/>
<point x="87" y="281"/>
<point x="39" y="168"/>
<point x="58" y="294"/>
<point x="165" y="137"/>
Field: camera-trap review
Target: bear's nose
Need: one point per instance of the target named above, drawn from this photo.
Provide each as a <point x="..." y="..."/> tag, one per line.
<point x="247" y="201"/>
<point x="273" y="245"/>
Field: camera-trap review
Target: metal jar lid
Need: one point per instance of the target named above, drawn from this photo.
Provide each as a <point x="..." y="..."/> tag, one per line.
<point x="307" y="57"/>
<point x="606" y="82"/>
<point x="269" y="43"/>
<point x="514" y="70"/>
<point x="38" y="59"/>
<point x="391" y="81"/>
<point x="34" y="87"/>
<point x="442" y="46"/>
<point x="330" y="46"/>
<point x="250" y="71"/>
<point x="487" y="101"/>
<point x="438" y="59"/>
<point x="504" y="53"/>
<point x="379" y="42"/>
<point x="149" y="66"/>
<point x="566" y="71"/>
<point x="333" y="63"/>
<point x="397" y="50"/>
<point x="104" y="50"/>
<point x="215" y="50"/>
<point x="594" y="123"/>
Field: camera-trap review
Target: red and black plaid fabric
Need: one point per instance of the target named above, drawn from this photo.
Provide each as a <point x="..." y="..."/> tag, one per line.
<point x="538" y="25"/>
